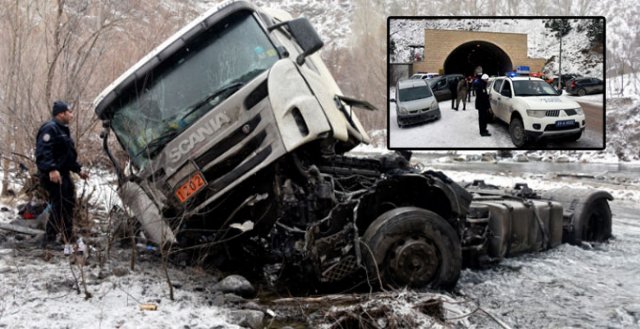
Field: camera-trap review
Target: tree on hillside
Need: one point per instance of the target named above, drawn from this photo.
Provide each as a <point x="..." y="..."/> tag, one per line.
<point x="559" y="25"/>
<point x="69" y="50"/>
<point x="363" y="67"/>
<point x="595" y="32"/>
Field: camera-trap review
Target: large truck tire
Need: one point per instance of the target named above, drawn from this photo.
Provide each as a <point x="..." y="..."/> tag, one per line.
<point x="595" y="225"/>
<point x="586" y="213"/>
<point x="412" y="247"/>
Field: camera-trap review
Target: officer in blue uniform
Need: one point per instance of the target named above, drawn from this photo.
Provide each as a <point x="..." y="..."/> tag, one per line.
<point x="56" y="158"/>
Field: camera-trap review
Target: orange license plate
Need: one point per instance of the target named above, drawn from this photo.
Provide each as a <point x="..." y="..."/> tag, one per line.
<point x="189" y="188"/>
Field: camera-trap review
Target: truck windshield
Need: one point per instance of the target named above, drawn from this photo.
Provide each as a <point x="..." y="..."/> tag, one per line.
<point x="190" y="83"/>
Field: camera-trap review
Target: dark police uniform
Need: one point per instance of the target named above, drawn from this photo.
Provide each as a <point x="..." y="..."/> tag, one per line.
<point x="483" y="106"/>
<point x="55" y="150"/>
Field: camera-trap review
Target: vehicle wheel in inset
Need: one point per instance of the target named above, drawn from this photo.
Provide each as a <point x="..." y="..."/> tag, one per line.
<point x="582" y="92"/>
<point x="516" y="130"/>
<point x="412" y="247"/>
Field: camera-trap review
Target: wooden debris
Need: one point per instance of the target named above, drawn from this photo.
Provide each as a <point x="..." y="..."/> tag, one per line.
<point x="20" y="229"/>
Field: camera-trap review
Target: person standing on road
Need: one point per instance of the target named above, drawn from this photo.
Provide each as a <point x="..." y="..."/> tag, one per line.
<point x="453" y="88"/>
<point x="462" y="94"/>
<point x="56" y="158"/>
<point x="482" y="104"/>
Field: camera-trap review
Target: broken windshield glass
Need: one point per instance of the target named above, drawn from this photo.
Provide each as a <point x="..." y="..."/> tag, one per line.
<point x="190" y="83"/>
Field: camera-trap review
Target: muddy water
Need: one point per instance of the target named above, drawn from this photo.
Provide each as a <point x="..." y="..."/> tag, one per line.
<point x="568" y="287"/>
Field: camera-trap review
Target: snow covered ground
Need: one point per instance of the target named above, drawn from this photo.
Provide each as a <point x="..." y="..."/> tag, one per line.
<point x="42" y="292"/>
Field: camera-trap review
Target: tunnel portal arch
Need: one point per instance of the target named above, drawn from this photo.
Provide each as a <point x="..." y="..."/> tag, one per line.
<point x="456" y="51"/>
<point x="468" y="56"/>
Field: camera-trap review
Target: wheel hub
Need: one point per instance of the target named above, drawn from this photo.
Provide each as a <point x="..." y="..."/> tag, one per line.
<point x="415" y="262"/>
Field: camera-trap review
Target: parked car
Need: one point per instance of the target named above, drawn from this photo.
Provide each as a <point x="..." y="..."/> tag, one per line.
<point x="415" y="102"/>
<point x="440" y="85"/>
<point x="564" y="78"/>
<point x="533" y="110"/>
<point x="421" y="75"/>
<point x="584" y="85"/>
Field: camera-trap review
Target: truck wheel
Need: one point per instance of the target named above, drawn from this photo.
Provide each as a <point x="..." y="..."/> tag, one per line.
<point x="412" y="247"/>
<point x="582" y="92"/>
<point x="516" y="130"/>
<point x="399" y="124"/>
<point x="596" y="224"/>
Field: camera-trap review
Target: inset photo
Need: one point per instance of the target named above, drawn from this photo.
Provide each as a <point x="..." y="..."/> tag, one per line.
<point x="496" y="83"/>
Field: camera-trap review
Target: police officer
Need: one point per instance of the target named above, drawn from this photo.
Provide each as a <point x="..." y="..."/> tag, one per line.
<point x="483" y="105"/>
<point x="56" y="157"/>
<point x="453" y="88"/>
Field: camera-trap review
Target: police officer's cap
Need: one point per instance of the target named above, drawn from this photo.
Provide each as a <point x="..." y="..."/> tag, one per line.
<point x="59" y="107"/>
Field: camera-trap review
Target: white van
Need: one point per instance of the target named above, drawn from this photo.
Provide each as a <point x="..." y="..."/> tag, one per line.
<point x="415" y="102"/>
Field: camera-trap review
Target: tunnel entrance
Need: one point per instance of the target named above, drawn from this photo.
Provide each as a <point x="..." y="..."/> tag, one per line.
<point x="468" y="56"/>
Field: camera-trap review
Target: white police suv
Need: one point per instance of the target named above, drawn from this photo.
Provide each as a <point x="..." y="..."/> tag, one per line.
<point x="533" y="110"/>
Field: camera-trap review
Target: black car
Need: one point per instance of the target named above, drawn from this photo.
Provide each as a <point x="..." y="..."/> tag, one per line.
<point x="584" y="85"/>
<point x="440" y="85"/>
<point x="564" y="78"/>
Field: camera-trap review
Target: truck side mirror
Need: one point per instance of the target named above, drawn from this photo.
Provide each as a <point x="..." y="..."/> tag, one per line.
<point x="306" y="36"/>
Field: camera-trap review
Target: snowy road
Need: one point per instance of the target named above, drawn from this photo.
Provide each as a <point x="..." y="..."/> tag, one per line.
<point x="568" y="287"/>
<point x="459" y="130"/>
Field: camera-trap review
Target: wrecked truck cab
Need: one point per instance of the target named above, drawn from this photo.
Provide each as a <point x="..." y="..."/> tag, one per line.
<point x="225" y="91"/>
<point x="237" y="137"/>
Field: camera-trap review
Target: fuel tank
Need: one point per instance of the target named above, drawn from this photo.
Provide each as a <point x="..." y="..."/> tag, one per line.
<point x="518" y="226"/>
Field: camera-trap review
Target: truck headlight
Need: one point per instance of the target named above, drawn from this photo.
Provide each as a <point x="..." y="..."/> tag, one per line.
<point x="536" y="113"/>
<point x="434" y="106"/>
<point x="402" y="110"/>
<point x="579" y="111"/>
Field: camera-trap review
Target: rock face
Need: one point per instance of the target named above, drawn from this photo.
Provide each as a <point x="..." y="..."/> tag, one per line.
<point x="236" y="284"/>
<point x="247" y="318"/>
<point x="488" y="157"/>
<point x="521" y="158"/>
<point x="563" y="159"/>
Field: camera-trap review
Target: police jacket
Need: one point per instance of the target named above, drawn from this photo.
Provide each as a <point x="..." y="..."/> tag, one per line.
<point x="55" y="150"/>
<point x="482" y="97"/>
